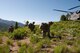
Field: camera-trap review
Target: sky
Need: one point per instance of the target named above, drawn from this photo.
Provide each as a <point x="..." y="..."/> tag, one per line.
<point x="34" y="10"/>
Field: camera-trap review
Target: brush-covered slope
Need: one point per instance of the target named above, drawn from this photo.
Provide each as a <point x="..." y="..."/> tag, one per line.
<point x="66" y="28"/>
<point x="4" y="24"/>
<point x="22" y="40"/>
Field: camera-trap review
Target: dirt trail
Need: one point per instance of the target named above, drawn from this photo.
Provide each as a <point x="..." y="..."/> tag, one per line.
<point x="4" y="39"/>
<point x="26" y="40"/>
<point x="15" y="47"/>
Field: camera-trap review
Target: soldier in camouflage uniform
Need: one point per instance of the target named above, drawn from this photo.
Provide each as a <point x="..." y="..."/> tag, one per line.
<point x="11" y="29"/>
<point x="27" y="23"/>
<point x="46" y="29"/>
<point x="32" y="26"/>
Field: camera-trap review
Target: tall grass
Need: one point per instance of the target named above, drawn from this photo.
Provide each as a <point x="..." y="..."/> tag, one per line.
<point x="4" y="49"/>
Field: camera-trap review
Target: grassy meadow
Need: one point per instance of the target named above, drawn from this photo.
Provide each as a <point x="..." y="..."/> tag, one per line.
<point x="22" y="40"/>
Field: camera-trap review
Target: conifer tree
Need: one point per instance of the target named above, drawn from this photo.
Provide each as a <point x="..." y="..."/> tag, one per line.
<point x="16" y="25"/>
<point x="63" y="18"/>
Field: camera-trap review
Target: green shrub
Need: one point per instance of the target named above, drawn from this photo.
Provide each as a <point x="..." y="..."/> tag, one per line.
<point x="42" y="43"/>
<point x="30" y="49"/>
<point x="69" y="42"/>
<point x="78" y="49"/>
<point x="1" y="40"/>
<point x="18" y="43"/>
<point x="24" y="44"/>
<point x="38" y="46"/>
<point x="9" y="42"/>
<point x="46" y="41"/>
<point x="4" y="34"/>
<point x="22" y="49"/>
<point x="61" y="49"/>
<point x="37" y="30"/>
<point x="34" y="39"/>
<point x="19" y="33"/>
<point x="4" y="49"/>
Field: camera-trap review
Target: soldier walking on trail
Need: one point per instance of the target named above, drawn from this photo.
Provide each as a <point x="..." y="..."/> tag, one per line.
<point x="27" y="23"/>
<point x="46" y="29"/>
<point x="11" y="29"/>
<point x="32" y="26"/>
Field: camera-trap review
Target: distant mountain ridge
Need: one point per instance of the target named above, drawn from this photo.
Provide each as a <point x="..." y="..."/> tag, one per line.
<point x="4" y="24"/>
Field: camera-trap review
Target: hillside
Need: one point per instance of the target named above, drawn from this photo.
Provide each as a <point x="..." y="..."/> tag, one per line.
<point x="68" y="27"/>
<point x="4" y="24"/>
<point x="22" y="40"/>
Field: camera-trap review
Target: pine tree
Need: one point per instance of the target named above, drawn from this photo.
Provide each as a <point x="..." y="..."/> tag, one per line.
<point x="63" y="18"/>
<point x="16" y="25"/>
